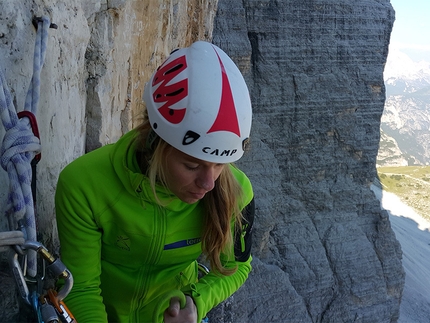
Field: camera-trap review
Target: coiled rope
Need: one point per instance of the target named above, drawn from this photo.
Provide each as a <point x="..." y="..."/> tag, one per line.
<point x="19" y="147"/>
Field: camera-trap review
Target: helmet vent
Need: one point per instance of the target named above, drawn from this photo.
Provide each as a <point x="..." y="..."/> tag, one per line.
<point x="175" y="92"/>
<point x="174" y="69"/>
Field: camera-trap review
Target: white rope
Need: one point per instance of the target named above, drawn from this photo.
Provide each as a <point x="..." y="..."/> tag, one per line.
<point x="20" y="146"/>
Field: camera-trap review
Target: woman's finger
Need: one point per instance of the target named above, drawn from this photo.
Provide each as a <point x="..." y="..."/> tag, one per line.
<point x="174" y="307"/>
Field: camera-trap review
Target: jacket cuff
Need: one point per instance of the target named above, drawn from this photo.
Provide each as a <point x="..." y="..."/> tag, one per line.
<point x="164" y="303"/>
<point x="191" y="290"/>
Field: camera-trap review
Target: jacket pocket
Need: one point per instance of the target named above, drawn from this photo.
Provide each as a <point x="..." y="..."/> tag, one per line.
<point x="187" y="276"/>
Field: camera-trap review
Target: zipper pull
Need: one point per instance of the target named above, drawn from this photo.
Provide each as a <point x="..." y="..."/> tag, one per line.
<point x="242" y="237"/>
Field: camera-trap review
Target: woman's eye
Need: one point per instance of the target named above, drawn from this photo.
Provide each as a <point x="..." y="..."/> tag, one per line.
<point x="191" y="166"/>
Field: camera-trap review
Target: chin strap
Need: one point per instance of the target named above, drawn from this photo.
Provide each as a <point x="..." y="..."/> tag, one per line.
<point x="151" y="139"/>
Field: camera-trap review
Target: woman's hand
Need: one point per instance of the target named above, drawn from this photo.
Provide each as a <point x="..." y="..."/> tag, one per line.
<point x="176" y="314"/>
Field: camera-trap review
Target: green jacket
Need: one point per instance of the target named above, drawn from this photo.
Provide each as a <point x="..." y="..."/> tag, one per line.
<point x="126" y="253"/>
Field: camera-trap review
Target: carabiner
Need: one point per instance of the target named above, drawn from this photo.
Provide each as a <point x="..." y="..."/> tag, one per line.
<point x="60" y="307"/>
<point x="19" y="276"/>
<point x="55" y="266"/>
<point x="33" y="124"/>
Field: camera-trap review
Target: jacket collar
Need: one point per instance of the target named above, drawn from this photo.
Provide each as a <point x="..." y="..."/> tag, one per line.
<point x="124" y="161"/>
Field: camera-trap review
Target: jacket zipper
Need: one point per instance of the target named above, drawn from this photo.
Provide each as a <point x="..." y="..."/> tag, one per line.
<point x="157" y="248"/>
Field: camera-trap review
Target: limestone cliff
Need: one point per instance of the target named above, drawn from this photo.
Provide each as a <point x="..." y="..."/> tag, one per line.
<point x="324" y="251"/>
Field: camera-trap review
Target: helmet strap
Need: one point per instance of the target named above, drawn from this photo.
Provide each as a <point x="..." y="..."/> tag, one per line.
<point x="151" y="139"/>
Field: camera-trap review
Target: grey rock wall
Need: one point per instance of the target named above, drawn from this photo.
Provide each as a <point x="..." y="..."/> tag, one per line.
<point x="324" y="251"/>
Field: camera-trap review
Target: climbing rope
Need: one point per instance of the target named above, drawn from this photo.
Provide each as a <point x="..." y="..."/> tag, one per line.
<point x="21" y="145"/>
<point x="11" y="238"/>
<point x="19" y="153"/>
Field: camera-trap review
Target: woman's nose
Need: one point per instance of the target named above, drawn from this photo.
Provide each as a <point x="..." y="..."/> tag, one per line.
<point x="206" y="180"/>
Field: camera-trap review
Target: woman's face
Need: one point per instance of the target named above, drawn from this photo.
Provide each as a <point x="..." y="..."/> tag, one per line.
<point x="190" y="178"/>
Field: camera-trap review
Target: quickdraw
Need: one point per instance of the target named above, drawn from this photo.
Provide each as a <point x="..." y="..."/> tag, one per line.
<point x="49" y="307"/>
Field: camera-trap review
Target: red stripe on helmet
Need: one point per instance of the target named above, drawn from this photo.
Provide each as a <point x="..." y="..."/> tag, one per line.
<point x="173" y="93"/>
<point x="226" y="119"/>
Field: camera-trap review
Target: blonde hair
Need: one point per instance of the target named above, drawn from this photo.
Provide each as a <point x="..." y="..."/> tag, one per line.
<point x="221" y="204"/>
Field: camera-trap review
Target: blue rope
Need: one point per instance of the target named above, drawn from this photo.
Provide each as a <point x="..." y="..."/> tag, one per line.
<point x="32" y="99"/>
<point x="20" y="146"/>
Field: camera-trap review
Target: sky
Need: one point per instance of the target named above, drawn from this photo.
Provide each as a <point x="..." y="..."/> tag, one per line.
<point x="409" y="51"/>
<point x="411" y="31"/>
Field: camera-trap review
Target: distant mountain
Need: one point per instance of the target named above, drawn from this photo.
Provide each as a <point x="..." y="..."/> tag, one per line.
<point x="405" y="123"/>
<point x="389" y="152"/>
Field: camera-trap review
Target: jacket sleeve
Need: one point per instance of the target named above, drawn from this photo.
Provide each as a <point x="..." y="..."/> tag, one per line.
<point x="80" y="240"/>
<point x="214" y="288"/>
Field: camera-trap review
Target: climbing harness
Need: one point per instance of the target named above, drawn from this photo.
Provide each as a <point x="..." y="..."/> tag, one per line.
<point x="19" y="155"/>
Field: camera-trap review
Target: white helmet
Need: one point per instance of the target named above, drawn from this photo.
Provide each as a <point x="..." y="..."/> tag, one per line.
<point x="199" y="103"/>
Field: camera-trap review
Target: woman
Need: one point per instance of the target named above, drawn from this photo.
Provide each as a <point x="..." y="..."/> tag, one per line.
<point x="134" y="216"/>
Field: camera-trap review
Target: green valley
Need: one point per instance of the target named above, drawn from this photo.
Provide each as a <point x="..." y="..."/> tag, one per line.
<point x="411" y="184"/>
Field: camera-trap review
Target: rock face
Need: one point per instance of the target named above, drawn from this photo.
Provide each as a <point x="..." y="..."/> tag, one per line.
<point x="324" y="251"/>
<point x="91" y="85"/>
